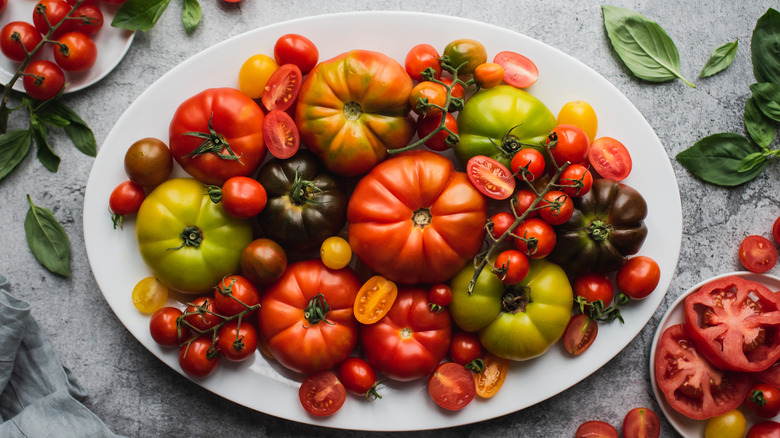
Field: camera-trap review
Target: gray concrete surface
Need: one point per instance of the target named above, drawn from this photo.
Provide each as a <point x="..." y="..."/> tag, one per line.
<point x="139" y="396"/>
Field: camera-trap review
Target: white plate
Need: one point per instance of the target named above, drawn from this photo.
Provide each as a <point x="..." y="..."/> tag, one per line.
<point x="676" y="315"/>
<point x="117" y="265"/>
<point x="112" y="44"/>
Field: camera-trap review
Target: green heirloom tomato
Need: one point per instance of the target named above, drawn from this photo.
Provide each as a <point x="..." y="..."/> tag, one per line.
<point x="495" y="121"/>
<point x="517" y="322"/>
<point x="188" y="241"/>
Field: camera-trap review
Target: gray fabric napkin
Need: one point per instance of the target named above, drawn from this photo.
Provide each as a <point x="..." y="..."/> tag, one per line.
<point x="39" y="396"/>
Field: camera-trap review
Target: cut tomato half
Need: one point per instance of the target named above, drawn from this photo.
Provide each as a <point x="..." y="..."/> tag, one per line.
<point x="519" y="71"/>
<point x="490" y="177"/>
<point x="282" y="88"/>
<point x="610" y="158"/>
<point x="280" y="134"/>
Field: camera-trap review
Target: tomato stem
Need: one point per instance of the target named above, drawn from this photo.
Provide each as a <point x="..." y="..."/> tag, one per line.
<point x="316" y="310"/>
<point x="213" y="142"/>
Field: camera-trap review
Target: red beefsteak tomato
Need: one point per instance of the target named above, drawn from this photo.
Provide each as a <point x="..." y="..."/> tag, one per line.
<point x="415" y="219"/>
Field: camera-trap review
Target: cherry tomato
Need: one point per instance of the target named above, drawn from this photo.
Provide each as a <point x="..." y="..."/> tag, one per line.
<point x="515" y="264"/>
<point x="732" y="424"/>
<point x="596" y="429"/>
<point x="466" y="54"/>
<point x="148" y="162"/>
<point x="48" y="13"/>
<point x="572" y="145"/>
<point x="776" y="231"/>
<point x="374" y="299"/>
<point x="519" y="71"/>
<point x="440" y="295"/>
<point x="234" y="294"/>
<point x="149" y="295"/>
<point x="198" y="358"/>
<point x="359" y="377"/>
<point x="75" y="52"/>
<point x="322" y="393"/>
<point x="254" y="74"/>
<point x="419" y="58"/>
<point x="444" y="138"/>
<point x="537" y="238"/>
<point x="641" y="423"/>
<point x="490" y="177"/>
<point x="501" y="222"/>
<point x="757" y="253"/>
<point x="280" y="134"/>
<point x="282" y="88"/>
<point x="763" y="400"/>
<point x="243" y="197"/>
<point x="237" y="343"/>
<point x="43" y="79"/>
<point x="593" y="287"/>
<point x="579" y="113"/>
<point x="580" y="334"/>
<point x="556" y="207"/>
<point x="610" y="158"/>
<point x="164" y="327"/>
<point x="201" y="313"/>
<point x="491" y="378"/>
<point x="523" y="199"/>
<point x="28" y="37"/>
<point x="335" y="252"/>
<point x="465" y="347"/>
<point x="89" y="19"/>
<point x="488" y="75"/>
<point x="578" y="177"/>
<point x="125" y="199"/>
<point x="638" y="277"/>
<point x="452" y="386"/>
<point x="428" y="93"/>
<point x="457" y="90"/>
<point x="528" y="164"/>
<point x="764" y="429"/>
<point x="263" y="261"/>
<point x="298" y="50"/>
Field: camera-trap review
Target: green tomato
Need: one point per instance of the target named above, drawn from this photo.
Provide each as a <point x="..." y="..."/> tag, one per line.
<point x="466" y="54"/>
<point x="516" y="322"/>
<point x="494" y="122"/>
<point x="188" y="241"/>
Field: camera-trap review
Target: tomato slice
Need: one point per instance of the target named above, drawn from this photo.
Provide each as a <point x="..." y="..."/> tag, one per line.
<point x="580" y="334"/>
<point x="490" y="177"/>
<point x="452" y="386"/>
<point x="596" y="429"/>
<point x="641" y="423"/>
<point x="280" y="134"/>
<point x="610" y="158"/>
<point x="691" y="385"/>
<point x="519" y="71"/>
<point x="282" y="88"/>
<point x="735" y="324"/>
<point x="492" y="377"/>
<point x="374" y="299"/>
<point x="322" y="393"/>
<point x="757" y="253"/>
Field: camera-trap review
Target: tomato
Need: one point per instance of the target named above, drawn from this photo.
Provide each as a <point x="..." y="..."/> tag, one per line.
<point x="735" y="323"/>
<point x="514" y="322"/>
<point x="89" y="19"/>
<point x="374" y="299"/>
<point x="514" y="265"/>
<point x="263" y="261"/>
<point x="358" y="377"/>
<point x="580" y="334"/>
<point x="3" y="3"/>
<point x="465" y="54"/>
<point x="335" y="252"/>
<point x="443" y="139"/>
<point x="297" y="50"/>
<point x="764" y="429"/>
<point x="500" y="223"/>
<point x="202" y="314"/>
<point x="770" y="376"/>
<point x="217" y="134"/>
<point x="189" y="242"/>
<point x="490" y="177"/>
<point x="148" y="162"/>
<point x="353" y="108"/>
<point x="237" y="341"/>
<point x="43" y="79"/>
<point x="421" y="57"/>
<point x="410" y="340"/>
<point x="452" y="386"/>
<point x="439" y="296"/>
<point x="757" y="253"/>
<point x="536" y="238"/>
<point x="641" y="423"/>
<point x="776" y="231"/>
<point x="528" y="164"/>
<point x="28" y="37"/>
<point x="48" y="13"/>
<point x="165" y="329"/>
<point x="577" y="179"/>
<point x="199" y="358"/>
<point x="523" y="200"/>
<point x="503" y="116"/>
<point x="579" y="113"/>
<point x="428" y="98"/>
<point x="596" y="429"/>
<point x="282" y="88"/>
<point x="571" y="145"/>
<point x="638" y="277"/>
<point x="280" y="134"/>
<point x="415" y="219"/>
<point x="149" y="295"/>
<point x="610" y="158"/>
<point x="691" y="385"/>
<point x="519" y="71"/>
<point x="234" y="294"/>
<point x="556" y="207"/>
<point x="126" y="198"/>
<point x="306" y="317"/>
<point x="243" y="197"/>
<point x="593" y="286"/>
<point x="763" y="400"/>
<point x="254" y="75"/>
<point x="75" y="52"/>
<point x="491" y="378"/>
<point x="456" y="89"/>
<point x="322" y="394"/>
<point x="732" y="424"/>
<point x="465" y="347"/>
<point x="488" y="75"/>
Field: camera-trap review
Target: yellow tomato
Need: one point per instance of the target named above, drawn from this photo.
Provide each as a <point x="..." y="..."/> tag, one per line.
<point x="254" y="75"/>
<point x="732" y="424"/>
<point x="374" y="299"/>
<point x="335" y="252"/>
<point x="579" y="113"/>
<point x="149" y="295"/>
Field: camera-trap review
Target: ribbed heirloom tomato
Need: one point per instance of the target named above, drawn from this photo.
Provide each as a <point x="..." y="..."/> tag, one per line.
<point x="415" y="219"/>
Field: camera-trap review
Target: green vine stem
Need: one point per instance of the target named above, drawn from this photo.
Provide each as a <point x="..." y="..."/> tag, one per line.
<point x="200" y="310"/>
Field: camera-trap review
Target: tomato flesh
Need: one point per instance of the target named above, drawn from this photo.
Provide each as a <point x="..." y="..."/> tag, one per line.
<point x="610" y="158"/>
<point x="580" y="334"/>
<point x="757" y="253"/>
<point x="322" y="394"/>
<point x="641" y="423"/>
<point x="374" y="299"/>
<point x="596" y="429"/>
<point x="280" y="134"/>
<point x="282" y="88"/>
<point x="490" y="177"/>
<point x="519" y="71"/>
<point x="452" y="386"/>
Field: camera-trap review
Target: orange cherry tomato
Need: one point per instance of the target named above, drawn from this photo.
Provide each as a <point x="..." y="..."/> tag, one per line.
<point x="430" y="93"/>
<point x="488" y="75"/>
<point x="374" y="299"/>
<point x="492" y="377"/>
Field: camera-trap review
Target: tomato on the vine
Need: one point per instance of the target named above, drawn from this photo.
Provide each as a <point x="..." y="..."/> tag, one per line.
<point x="757" y="253"/>
<point x="578" y="180"/>
<point x="282" y="88"/>
<point x="596" y="429"/>
<point x="237" y="342"/>
<point x="536" y="238"/>
<point x="524" y="198"/>
<point x="165" y="328"/>
<point x="202" y="313"/>
<point x="638" y="277"/>
<point x="280" y="134"/>
<point x="198" y="358"/>
<point x="75" y="52"/>
<point x="556" y="207"/>
<point x="444" y="138"/>
<point x="89" y="19"/>
<point x="580" y="334"/>
<point x="243" y="197"/>
<point x="610" y="158"/>
<point x="43" y="79"/>
<point x="358" y="377"/>
<point x="28" y="35"/>
<point x="488" y="75"/>
<point x="428" y="98"/>
<point x="519" y="71"/>
<point x="465" y="347"/>
<point x="148" y="162"/>
<point x="514" y="265"/>
<point x="579" y="113"/>
<point x="421" y="57"/>
<point x="298" y="50"/>
<point x="234" y="294"/>
<point x="322" y="394"/>
<point x="528" y="164"/>
<point x="594" y="286"/>
<point x="452" y="386"/>
<point x="572" y="144"/>
<point x="641" y="423"/>
<point x="501" y="222"/>
<point x="763" y="400"/>
<point x="490" y="177"/>
<point x="49" y="13"/>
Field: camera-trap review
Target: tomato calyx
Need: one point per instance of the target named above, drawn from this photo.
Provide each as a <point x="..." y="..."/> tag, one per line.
<point x="316" y="311"/>
<point x="477" y="365"/>
<point x="599" y="230"/>
<point x="191" y="237"/>
<point x="301" y="189"/>
<point x="515" y="299"/>
<point x="213" y="142"/>
<point x="422" y="217"/>
<point x="598" y="311"/>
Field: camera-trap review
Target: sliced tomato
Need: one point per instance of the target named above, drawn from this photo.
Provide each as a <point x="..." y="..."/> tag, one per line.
<point x="757" y="253"/>
<point x="610" y="158"/>
<point x="580" y="334"/>
<point x="452" y="386"/>
<point x="735" y="324"/>
<point x="282" y="88"/>
<point x="596" y="429"/>
<point x="519" y="71"/>
<point x="491" y="378"/>
<point x="490" y="177"/>
<point x="322" y="393"/>
<point x="280" y="134"/>
<point x="771" y="375"/>
<point x="691" y="385"/>
<point x="374" y="299"/>
<point x="641" y="423"/>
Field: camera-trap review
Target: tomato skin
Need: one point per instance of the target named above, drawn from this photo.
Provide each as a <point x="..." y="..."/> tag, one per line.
<point x="763" y="400"/>
<point x="410" y="341"/>
<point x="233" y="116"/>
<point x="501" y="223"/>
<point x="577" y="176"/>
<point x="202" y="313"/>
<point x="610" y="158"/>
<point x="164" y="328"/>
<point x="488" y="75"/>
<point x="580" y="334"/>
<point x="465" y="347"/>
<point x="335" y="252"/>
<point x="580" y="113"/>
<point x="254" y="75"/>
<point x="439" y="141"/>
<point x="263" y="261"/>
<point x="430" y="93"/>
<point x="80" y="54"/>
<point x="594" y="287"/>
<point x="198" y="359"/>
<point x="282" y="88"/>
<point x="231" y="292"/>
<point x="148" y="162"/>
<point x="298" y="50"/>
<point x="491" y="378"/>
<point x="732" y="424"/>
<point x="440" y="295"/>
<point x="358" y="377"/>
<point x="764" y="429"/>
<point x="528" y="164"/>
<point x="126" y="198"/>
<point x="243" y="197"/>
<point x="596" y="429"/>
<point x="54" y="11"/>
<point x="572" y="145"/>
<point x="29" y="37"/>
<point x="641" y="423"/>
<point x="524" y="198"/>
<point x="639" y="277"/>
<point x="237" y="343"/>
<point x="452" y="386"/>
<point x="466" y="54"/>
<point x="90" y="19"/>
<point x="421" y="57"/>
<point x="556" y="207"/>
<point x="540" y="238"/>
<point x="43" y="79"/>
<point x="516" y="265"/>
<point x="490" y="177"/>
<point x="322" y="394"/>
<point x="757" y="253"/>
<point x="426" y="234"/>
<point x="280" y="134"/>
<point x="776" y="231"/>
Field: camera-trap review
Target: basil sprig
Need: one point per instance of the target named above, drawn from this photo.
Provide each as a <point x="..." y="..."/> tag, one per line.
<point x="47" y="239"/>
<point x="721" y="58"/>
<point x="143" y="14"/>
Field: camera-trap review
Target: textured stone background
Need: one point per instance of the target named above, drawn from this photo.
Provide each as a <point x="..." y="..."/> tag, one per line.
<point x="137" y="395"/>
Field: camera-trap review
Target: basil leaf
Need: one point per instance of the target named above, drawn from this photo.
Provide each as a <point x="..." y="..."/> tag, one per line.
<point x="721" y="58"/>
<point x="47" y="240"/>
<point x="751" y="161"/>
<point x="76" y="128"/>
<point x="765" y="48"/>
<point x="139" y="14"/>
<point x="643" y="45"/>
<point x="717" y="159"/>
<point x="757" y="125"/>
<point x="46" y="155"/>
<point x="191" y="15"/>
<point x="14" y="146"/>
<point x="767" y="96"/>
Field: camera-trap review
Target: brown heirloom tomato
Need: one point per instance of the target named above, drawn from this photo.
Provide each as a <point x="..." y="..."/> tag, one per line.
<point x="306" y="319"/>
<point x="353" y="108"/>
<point x="415" y="219"/>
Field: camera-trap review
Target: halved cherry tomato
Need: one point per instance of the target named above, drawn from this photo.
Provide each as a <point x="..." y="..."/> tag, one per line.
<point x="442" y="140"/>
<point x="641" y="423"/>
<point x="298" y="50"/>
<point x="282" y="88"/>
<point x="610" y="158"/>
<point x="237" y="342"/>
<point x="515" y="265"/>
<point x="572" y="144"/>
<point x="638" y="277"/>
<point x="594" y="286"/>
<point x="578" y="179"/>
<point x="243" y="197"/>
<point x="501" y="223"/>
<point x="149" y="295"/>
<point x="519" y="71"/>
<point x="557" y="207"/>
<point x="528" y="164"/>
<point x="596" y="429"/>
<point x="490" y="177"/>
<point x="488" y="75"/>
<point x="452" y="386"/>
<point x="537" y="238"/>
<point x="280" y="134"/>
<point x="374" y="299"/>
<point x="757" y="253"/>
<point x="322" y="393"/>
<point x="491" y="378"/>
<point x="419" y="58"/>
<point x="580" y="334"/>
<point x="580" y="113"/>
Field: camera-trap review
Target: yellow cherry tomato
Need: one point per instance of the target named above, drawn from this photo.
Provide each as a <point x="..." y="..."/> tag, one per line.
<point x="149" y="295"/>
<point x="579" y="113"/>
<point x="732" y="424"/>
<point x="335" y="252"/>
<point x="374" y="299"/>
<point x="254" y="75"/>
